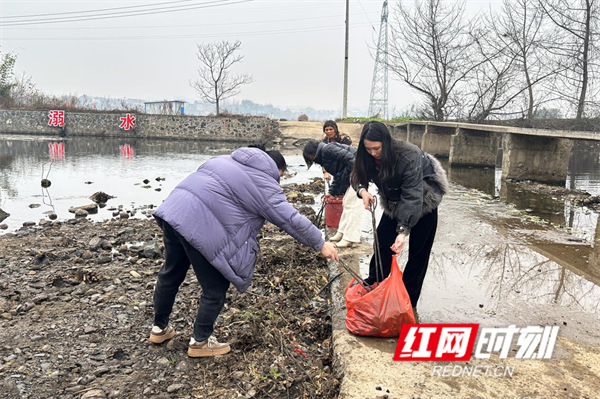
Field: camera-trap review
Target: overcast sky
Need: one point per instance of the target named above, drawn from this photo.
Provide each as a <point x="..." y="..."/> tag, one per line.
<point x="293" y="49"/>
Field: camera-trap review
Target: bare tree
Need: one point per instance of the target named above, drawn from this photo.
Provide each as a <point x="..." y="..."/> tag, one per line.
<point x="431" y="51"/>
<point x="490" y="87"/>
<point x="577" y="23"/>
<point x="518" y="30"/>
<point x="216" y="83"/>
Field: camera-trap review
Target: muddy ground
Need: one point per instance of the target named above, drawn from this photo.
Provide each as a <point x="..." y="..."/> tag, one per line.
<point x="76" y="311"/>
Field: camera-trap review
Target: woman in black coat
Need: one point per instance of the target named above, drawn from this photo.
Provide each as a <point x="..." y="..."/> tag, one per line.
<point x="411" y="185"/>
<point x="338" y="160"/>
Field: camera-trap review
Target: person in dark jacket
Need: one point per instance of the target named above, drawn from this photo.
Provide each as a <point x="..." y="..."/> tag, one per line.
<point x="338" y="160"/>
<point x="411" y="185"/>
<point x="211" y="220"/>
<point x="331" y="134"/>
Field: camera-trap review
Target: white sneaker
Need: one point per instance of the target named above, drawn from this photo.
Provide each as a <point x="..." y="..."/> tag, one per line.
<point x="345" y="244"/>
<point x="337" y="237"/>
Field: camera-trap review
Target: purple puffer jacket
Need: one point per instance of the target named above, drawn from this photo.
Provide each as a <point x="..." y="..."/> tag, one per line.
<point x="221" y="208"/>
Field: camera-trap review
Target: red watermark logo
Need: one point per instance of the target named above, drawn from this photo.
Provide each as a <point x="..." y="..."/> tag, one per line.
<point x="455" y="342"/>
<point x="441" y="342"/>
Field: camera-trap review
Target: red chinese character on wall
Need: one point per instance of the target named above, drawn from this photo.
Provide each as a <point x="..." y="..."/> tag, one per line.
<point x="57" y="118"/>
<point x="127" y="122"/>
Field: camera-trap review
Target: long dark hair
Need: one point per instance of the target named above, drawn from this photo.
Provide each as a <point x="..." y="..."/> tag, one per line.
<point x="364" y="166"/>
<point x="275" y="155"/>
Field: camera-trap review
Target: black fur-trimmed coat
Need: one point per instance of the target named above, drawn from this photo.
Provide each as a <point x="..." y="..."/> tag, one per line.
<point x="416" y="188"/>
<point x="338" y="160"/>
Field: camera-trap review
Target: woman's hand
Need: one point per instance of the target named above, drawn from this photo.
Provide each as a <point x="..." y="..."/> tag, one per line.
<point x="328" y="198"/>
<point x="367" y="198"/>
<point x="326" y="176"/>
<point x="397" y="246"/>
<point x="330" y="252"/>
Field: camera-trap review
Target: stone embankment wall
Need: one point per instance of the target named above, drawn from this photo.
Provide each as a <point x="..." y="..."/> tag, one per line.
<point x="145" y="126"/>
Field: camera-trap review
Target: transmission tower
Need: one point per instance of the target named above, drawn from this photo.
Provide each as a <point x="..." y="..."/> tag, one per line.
<point x="378" y="105"/>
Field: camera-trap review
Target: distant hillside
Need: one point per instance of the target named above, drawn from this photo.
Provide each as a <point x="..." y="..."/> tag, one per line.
<point x="244" y="107"/>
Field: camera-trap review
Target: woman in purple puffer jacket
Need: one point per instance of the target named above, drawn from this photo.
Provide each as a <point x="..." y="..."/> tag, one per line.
<point x="211" y="220"/>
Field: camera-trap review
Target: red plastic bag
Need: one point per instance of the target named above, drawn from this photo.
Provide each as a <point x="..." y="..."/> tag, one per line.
<point x="382" y="311"/>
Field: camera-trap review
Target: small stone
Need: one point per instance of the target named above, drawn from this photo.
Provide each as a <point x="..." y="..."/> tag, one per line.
<point x="104" y="259"/>
<point x="3" y="226"/>
<point x="238" y="375"/>
<point x="174" y="388"/>
<point x="81" y="213"/>
<point x="95" y="243"/>
<point x="87" y="254"/>
<point x="91" y="208"/>
<point x="52" y="216"/>
<point x="124" y="215"/>
<point x="28" y="224"/>
<point x="106" y="245"/>
<point x="135" y="274"/>
<point x="40" y="298"/>
<point x="146" y="181"/>
<point x="94" y="394"/>
<point x="151" y="251"/>
<point x="101" y="371"/>
<point x="3" y="215"/>
<point x="33" y="206"/>
<point x="89" y="329"/>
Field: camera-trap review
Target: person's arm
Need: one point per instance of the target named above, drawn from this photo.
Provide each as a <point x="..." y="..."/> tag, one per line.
<point x="282" y="214"/>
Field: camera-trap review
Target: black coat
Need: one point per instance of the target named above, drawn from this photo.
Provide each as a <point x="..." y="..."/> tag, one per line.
<point x="338" y="160"/>
<point x="416" y="188"/>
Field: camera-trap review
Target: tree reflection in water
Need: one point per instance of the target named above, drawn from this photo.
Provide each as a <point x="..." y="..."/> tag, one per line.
<point x="567" y="275"/>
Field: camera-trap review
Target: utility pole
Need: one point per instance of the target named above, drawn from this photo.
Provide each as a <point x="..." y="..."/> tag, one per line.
<point x="378" y="105"/>
<point x="345" y="105"/>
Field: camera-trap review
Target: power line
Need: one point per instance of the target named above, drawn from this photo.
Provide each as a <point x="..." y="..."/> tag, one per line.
<point x="194" y="25"/>
<point x="94" y="11"/>
<point x="361" y="6"/>
<point x="250" y="33"/>
<point x="130" y="14"/>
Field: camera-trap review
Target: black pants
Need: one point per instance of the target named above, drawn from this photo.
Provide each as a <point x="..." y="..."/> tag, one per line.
<point x="421" y="241"/>
<point x="178" y="255"/>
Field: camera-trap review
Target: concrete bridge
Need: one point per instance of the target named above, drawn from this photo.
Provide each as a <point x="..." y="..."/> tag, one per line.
<point x="528" y="154"/>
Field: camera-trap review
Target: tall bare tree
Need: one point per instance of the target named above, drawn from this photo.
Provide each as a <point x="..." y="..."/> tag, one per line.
<point x="518" y="30"/>
<point x="431" y="51"/>
<point x="490" y="87"/>
<point x="578" y="28"/>
<point x="216" y="82"/>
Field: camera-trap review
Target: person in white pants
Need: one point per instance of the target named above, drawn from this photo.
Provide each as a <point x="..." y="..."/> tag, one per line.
<point x="338" y="160"/>
<point x="348" y="233"/>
